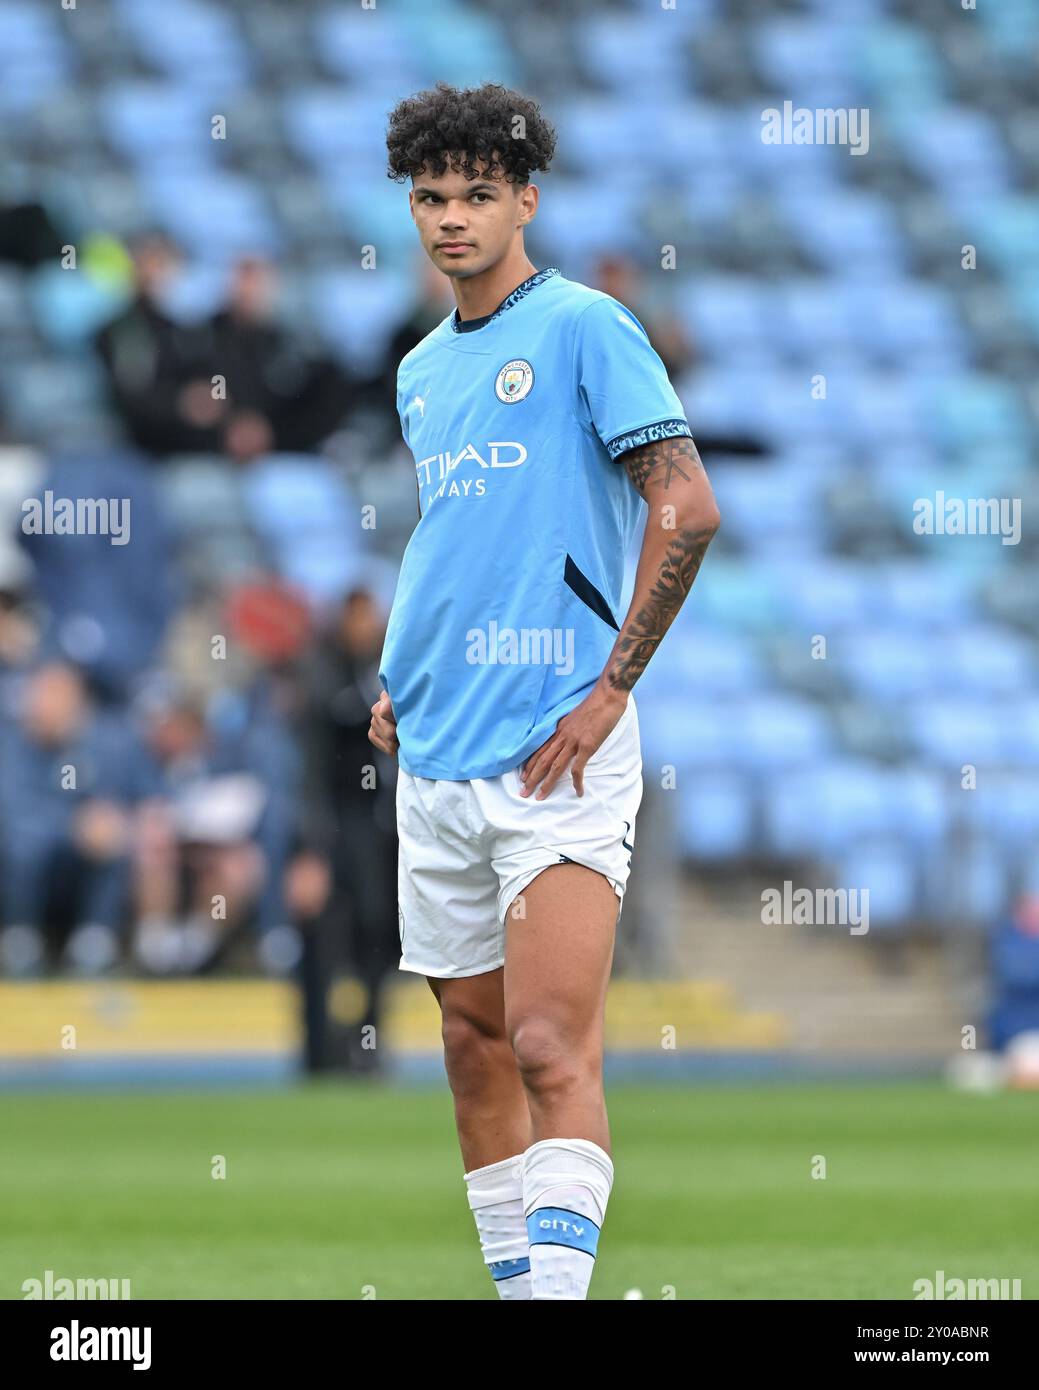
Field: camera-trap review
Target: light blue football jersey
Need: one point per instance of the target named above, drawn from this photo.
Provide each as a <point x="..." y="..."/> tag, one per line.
<point x="506" y="607"/>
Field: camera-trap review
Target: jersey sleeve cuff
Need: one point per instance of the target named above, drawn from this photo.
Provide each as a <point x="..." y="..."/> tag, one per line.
<point x="648" y="434"/>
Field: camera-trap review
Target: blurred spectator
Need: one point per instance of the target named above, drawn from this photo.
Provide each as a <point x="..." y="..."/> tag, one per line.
<point x="619" y="276"/>
<point x="1015" y="974"/>
<point x="17" y="633"/>
<point x="270" y="625"/>
<point x="198" y="868"/>
<point x="69" y="779"/>
<point x="280" y="398"/>
<point x="28" y="236"/>
<point x="345" y="876"/>
<point x="18" y="629"/>
<point x="159" y="368"/>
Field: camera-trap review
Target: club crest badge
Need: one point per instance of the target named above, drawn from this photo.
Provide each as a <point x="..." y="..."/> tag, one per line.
<point x="514" y="381"/>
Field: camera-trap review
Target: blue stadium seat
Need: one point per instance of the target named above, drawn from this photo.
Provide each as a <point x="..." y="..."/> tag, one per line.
<point x="811" y="57"/>
<point x="812" y="811"/>
<point x="898" y="65"/>
<point x="767" y="507"/>
<point x="47" y="396"/>
<point x="930" y="595"/>
<point x="683" y="20"/>
<point x="914" y="324"/>
<point x="615" y="45"/>
<point x="715" y="816"/>
<point x="919" y="799"/>
<point x="828" y="594"/>
<point x="729" y="315"/>
<point x="972" y="411"/>
<point x="888" y="871"/>
<point x="698" y="135"/>
<point x="827" y="810"/>
<point x="712" y="194"/>
<point x="290" y="498"/>
<point x="789" y="410"/>
<point x="1024" y="294"/>
<point x="1024" y="733"/>
<point x="337" y="131"/>
<point x="35" y="61"/>
<point x="983" y="659"/>
<point x="706" y="660"/>
<point x="158" y="125"/>
<point x="742" y="595"/>
<point x="686" y="733"/>
<point x="459" y="44"/>
<point x="1012" y="28"/>
<point x="850" y="232"/>
<point x="357" y="311"/>
<point x="774" y="730"/>
<point x="1004" y="805"/>
<point x="726" y="401"/>
<point x="198" y="44"/>
<point x="956" y="730"/>
<point x="959" y="149"/>
<point x="883" y="409"/>
<point x="587" y="124"/>
<point x="771" y="167"/>
<point x="71" y="308"/>
<point x="360" y="45"/>
<point x="814" y="323"/>
<point x="198" y="493"/>
<point x="381" y="219"/>
<point x="583" y="219"/>
<point x="1028" y="871"/>
<point x="889" y="664"/>
<point x="204" y="509"/>
<point x="289" y="493"/>
<point x="1008" y="230"/>
<point x="216" y="215"/>
<point x="113" y="199"/>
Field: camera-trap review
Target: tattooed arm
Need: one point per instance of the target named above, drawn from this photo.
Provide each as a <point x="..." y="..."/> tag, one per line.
<point x="683" y="516"/>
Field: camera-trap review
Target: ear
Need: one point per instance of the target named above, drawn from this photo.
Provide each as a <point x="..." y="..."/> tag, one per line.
<point x="529" y="203"/>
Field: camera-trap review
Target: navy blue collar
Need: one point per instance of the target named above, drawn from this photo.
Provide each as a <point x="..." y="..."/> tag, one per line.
<point x="520" y="292"/>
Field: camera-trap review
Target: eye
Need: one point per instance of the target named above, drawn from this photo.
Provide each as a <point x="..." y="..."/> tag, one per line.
<point x="481" y="195"/>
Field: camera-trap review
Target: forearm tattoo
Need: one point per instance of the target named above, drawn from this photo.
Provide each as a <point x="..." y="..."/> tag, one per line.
<point x="660" y="462"/>
<point x="662" y="459"/>
<point x="641" y="636"/>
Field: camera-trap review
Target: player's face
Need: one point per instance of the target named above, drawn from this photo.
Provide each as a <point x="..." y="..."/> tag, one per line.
<point x="466" y="225"/>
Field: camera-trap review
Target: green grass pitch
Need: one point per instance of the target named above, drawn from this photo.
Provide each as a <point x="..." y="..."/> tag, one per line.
<point x="343" y="1192"/>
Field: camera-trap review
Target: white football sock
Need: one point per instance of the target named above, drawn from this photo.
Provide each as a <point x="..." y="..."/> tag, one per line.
<point x="566" y="1185"/>
<point x="496" y="1199"/>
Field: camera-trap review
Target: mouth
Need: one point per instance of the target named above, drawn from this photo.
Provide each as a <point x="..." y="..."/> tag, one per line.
<point x="454" y="247"/>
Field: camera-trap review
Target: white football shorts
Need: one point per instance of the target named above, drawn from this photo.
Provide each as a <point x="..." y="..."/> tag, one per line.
<point x="468" y="848"/>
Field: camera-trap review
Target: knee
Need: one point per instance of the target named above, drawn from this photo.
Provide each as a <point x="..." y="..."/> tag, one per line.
<point x="547" y="1058"/>
<point x="474" y="1051"/>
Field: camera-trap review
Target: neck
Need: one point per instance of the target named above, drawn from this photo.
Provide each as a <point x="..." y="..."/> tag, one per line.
<point x="481" y="294"/>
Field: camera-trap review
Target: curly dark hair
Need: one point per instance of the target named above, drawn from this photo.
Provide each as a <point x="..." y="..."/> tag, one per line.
<point x="444" y="127"/>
